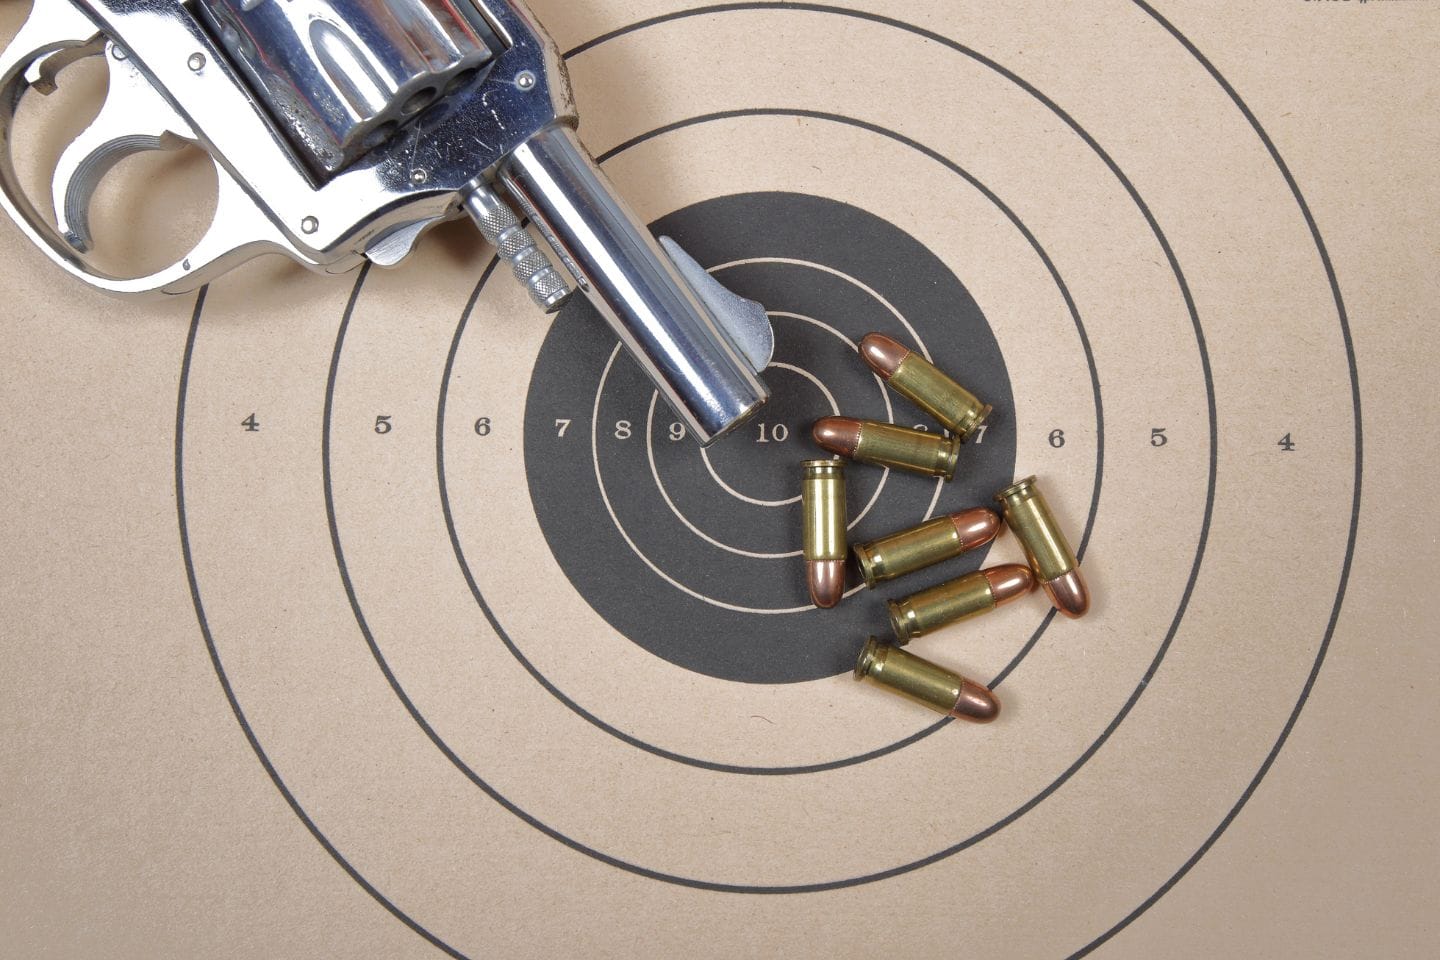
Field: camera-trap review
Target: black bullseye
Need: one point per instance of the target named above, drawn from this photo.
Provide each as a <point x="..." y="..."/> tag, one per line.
<point x="698" y="562"/>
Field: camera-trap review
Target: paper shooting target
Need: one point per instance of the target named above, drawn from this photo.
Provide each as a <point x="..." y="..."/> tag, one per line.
<point x="569" y="657"/>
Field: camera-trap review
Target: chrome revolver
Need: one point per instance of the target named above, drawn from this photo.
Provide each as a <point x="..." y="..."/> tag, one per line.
<point x="341" y="130"/>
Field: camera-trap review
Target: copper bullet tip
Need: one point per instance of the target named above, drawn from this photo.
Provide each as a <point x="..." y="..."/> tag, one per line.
<point x="975" y="703"/>
<point x="837" y="434"/>
<point x="826" y="579"/>
<point x="1009" y="581"/>
<point x="1069" y="594"/>
<point x="975" y="527"/>
<point x="883" y="354"/>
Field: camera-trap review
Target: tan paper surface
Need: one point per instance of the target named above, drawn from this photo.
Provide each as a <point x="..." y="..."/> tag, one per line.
<point x="324" y="688"/>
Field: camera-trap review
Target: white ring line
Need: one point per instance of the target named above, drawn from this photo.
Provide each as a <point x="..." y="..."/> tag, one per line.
<point x="655" y="473"/>
<point x="609" y="508"/>
<point x="914" y="334"/>
<point x="884" y="391"/>
<point x="595" y="425"/>
<point x="834" y="273"/>
<point x="884" y="396"/>
<point x="705" y="451"/>
<point x="874" y="497"/>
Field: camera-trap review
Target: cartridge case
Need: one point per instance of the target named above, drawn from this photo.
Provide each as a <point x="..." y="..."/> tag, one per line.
<point x="1045" y="546"/>
<point x="871" y="441"/>
<point x="955" y="600"/>
<point x="822" y="505"/>
<point x="924" y="384"/>
<point x="924" y="682"/>
<point x="932" y="542"/>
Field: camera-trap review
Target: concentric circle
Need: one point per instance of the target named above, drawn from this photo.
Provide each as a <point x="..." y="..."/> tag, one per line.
<point x="448" y="698"/>
<point x="714" y="568"/>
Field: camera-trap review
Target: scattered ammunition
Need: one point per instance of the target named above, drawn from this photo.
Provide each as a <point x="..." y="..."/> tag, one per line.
<point x="822" y="500"/>
<point x="888" y="445"/>
<point x="1045" y="547"/>
<point x="969" y="596"/>
<point x="925" y="682"/>
<point x="920" y="381"/>
<point x="931" y="542"/>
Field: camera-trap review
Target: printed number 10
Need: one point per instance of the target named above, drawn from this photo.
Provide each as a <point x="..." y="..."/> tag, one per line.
<point x="779" y="433"/>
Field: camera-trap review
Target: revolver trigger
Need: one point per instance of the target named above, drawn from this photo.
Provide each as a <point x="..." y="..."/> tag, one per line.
<point x="744" y="321"/>
<point x="134" y="118"/>
<point x="41" y="73"/>
<point x="55" y="35"/>
<point x="396" y="245"/>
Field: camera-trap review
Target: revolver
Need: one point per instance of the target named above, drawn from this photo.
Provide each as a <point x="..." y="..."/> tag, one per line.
<point x="342" y="130"/>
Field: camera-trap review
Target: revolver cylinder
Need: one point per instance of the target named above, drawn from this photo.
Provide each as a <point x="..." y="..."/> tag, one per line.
<point x="341" y="76"/>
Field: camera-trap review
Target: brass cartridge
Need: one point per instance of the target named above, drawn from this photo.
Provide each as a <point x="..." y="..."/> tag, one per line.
<point x="822" y="506"/>
<point x="924" y="384"/>
<point x="924" y="682"/>
<point x="1049" y="553"/>
<point x="934" y="541"/>
<point x="969" y="596"/>
<point x="889" y="446"/>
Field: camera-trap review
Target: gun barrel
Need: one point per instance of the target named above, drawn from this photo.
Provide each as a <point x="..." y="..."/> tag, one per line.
<point x="633" y="284"/>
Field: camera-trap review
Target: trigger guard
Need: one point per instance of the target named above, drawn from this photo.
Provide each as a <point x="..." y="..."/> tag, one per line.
<point x="55" y="35"/>
<point x="134" y="118"/>
<point x="240" y="231"/>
